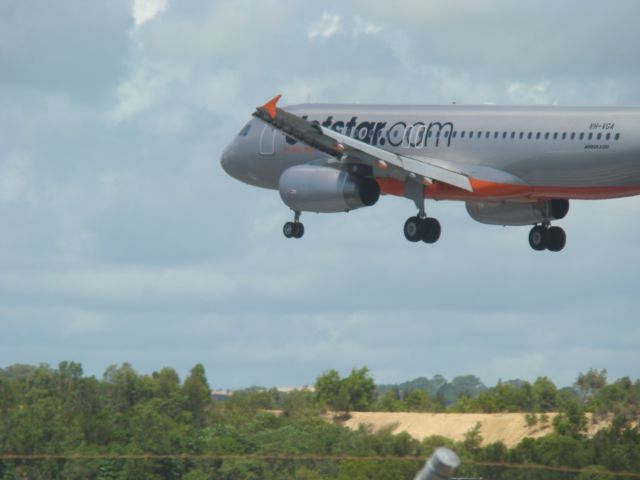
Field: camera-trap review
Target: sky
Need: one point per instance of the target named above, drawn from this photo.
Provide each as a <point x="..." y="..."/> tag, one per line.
<point x="123" y="240"/>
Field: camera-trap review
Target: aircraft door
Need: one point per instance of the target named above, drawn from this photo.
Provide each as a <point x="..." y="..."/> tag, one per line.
<point x="268" y="141"/>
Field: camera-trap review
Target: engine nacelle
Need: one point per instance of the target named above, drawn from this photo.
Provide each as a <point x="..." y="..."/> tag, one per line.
<point x="314" y="188"/>
<point x="515" y="213"/>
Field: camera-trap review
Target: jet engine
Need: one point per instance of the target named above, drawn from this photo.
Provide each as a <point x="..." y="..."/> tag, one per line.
<point x="314" y="188"/>
<point x="516" y="213"/>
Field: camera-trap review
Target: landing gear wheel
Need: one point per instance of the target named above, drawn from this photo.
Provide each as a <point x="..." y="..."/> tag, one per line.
<point x="299" y="230"/>
<point x="293" y="230"/>
<point x="289" y="229"/>
<point x="557" y="239"/>
<point x="430" y="230"/>
<point x="413" y="229"/>
<point x="539" y="238"/>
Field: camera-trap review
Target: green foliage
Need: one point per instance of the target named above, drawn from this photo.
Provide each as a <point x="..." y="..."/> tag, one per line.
<point x="299" y="404"/>
<point x="590" y="383"/>
<point x="373" y="470"/>
<point x="389" y="402"/>
<point x="196" y="394"/>
<point x="571" y="420"/>
<point x="505" y="397"/>
<point x="473" y="438"/>
<point x="419" y="401"/>
<point x="545" y="395"/>
<point x="355" y="392"/>
<point x="45" y="410"/>
<point x="439" y="388"/>
<point x="531" y="420"/>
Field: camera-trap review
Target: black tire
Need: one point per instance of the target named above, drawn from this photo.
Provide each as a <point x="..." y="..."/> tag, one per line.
<point x="299" y="230"/>
<point x="413" y="229"/>
<point x="431" y="230"/>
<point x="557" y="239"/>
<point x="289" y="229"/>
<point x="539" y="238"/>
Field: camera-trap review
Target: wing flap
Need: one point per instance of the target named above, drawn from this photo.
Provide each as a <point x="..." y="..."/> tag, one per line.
<point x="421" y="167"/>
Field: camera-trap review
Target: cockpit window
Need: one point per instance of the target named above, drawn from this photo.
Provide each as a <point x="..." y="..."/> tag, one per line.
<point x="245" y="130"/>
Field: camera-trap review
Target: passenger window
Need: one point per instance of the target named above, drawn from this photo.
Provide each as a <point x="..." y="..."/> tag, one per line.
<point x="471" y="134"/>
<point x="573" y="135"/>
<point x="446" y="134"/>
<point x="591" y="136"/>
<point x="513" y="135"/>
<point x="521" y="135"/>
<point x="530" y="136"/>
<point x="564" y="135"/>
<point x="608" y="137"/>
<point x="462" y="134"/>
<point x="538" y="136"/>
<point x="617" y="137"/>
<point x="555" y="136"/>
<point x="599" y="136"/>
<point x="495" y="135"/>
<point x="582" y="136"/>
<point x="479" y="134"/>
<point x="429" y="134"/>
<point x="546" y="136"/>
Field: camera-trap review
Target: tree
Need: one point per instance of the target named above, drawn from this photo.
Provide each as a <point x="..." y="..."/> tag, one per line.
<point x="355" y="392"/>
<point x="126" y="386"/>
<point x="473" y="438"/>
<point x="168" y="381"/>
<point x="571" y="420"/>
<point x="418" y="401"/>
<point x="196" y="393"/>
<point x="361" y="389"/>
<point x="389" y="402"/>
<point x="588" y="384"/>
<point x="327" y="387"/>
<point x="544" y="395"/>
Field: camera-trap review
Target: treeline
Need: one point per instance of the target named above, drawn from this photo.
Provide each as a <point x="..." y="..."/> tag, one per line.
<point x="591" y="393"/>
<point x="60" y="411"/>
<point x="468" y="394"/>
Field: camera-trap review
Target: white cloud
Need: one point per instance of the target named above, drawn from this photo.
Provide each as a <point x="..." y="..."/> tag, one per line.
<point x="364" y="27"/>
<point x="145" y="10"/>
<point x="147" y="85"/>
<point x="326" y="27"/>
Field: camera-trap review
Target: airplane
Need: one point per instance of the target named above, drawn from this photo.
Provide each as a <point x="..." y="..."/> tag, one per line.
<point x="511" y="165"/>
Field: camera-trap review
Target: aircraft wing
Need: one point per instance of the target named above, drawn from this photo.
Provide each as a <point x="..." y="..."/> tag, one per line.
<point x="422" y="169"/>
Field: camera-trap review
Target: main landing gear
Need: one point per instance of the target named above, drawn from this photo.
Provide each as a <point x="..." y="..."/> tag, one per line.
<point x="422" y="228"/>
<point x="294" y="229"/>
<point x="546" y="237"/>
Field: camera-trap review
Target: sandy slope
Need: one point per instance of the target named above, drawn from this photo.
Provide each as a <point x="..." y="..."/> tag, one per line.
<point x="509" y="428"/>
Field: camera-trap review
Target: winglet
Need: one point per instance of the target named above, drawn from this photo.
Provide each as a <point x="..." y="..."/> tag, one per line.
<point x="270" y="106"/>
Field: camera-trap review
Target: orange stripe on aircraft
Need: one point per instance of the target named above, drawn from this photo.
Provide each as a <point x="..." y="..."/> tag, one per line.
<point x="484" y="190"/>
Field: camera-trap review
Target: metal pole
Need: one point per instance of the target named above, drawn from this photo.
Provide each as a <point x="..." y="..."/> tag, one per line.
<point x="440" y="466"/>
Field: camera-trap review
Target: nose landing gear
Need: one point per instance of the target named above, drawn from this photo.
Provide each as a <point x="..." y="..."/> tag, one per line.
<point x="545" y="237"/>
<point x="294" y="229"/>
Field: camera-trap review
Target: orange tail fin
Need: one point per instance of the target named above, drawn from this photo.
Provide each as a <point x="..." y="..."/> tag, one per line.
<point x="270" y="106"/>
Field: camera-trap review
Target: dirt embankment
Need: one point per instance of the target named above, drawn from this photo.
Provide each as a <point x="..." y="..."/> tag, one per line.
<point x="509" y="428"/>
